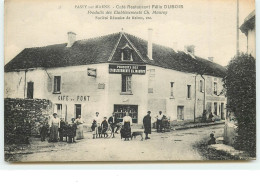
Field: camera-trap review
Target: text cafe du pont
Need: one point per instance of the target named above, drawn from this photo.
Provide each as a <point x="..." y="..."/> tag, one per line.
<point x="77" y="98"/>
<point x="128" y="69"/>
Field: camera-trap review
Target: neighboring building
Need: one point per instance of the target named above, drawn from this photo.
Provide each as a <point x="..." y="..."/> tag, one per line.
<point x="117" y="72"/>
<point x="248" y="28"/>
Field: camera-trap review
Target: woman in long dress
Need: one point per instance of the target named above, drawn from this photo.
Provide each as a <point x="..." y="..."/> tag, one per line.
<point x="54" y="127"/>
<point x="79" y="131"/>
<point x="126" y="130"/>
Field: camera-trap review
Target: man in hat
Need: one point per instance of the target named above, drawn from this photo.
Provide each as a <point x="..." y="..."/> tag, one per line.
<point x="112" y="122"/>
<point x="147" y="124"/>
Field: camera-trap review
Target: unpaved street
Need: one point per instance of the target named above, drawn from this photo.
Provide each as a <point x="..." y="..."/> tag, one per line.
<point x="175" y="145"/>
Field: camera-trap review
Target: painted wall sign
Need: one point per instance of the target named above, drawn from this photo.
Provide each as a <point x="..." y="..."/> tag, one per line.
<point x="101" y="86"/>
<point x="127" y="69"/>
<point x="73" y="98"/>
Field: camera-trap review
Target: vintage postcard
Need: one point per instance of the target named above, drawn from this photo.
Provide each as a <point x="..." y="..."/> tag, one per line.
<point x="128" y="80"/>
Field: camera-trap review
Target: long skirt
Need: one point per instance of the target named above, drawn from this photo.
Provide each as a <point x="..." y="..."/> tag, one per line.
<point x="79" y="132"/>
<point x="54" y="133"/>
<point x="126" y="130"/>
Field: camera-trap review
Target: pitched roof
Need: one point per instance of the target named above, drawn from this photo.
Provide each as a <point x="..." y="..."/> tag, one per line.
<point x="106" y="49"/>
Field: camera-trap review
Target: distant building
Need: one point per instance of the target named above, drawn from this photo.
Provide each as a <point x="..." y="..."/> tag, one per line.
<point x="117" y="73"/>
<point x="248" y="28"/>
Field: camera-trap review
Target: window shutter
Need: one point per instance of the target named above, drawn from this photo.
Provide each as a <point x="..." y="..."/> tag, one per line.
<point x="49" y="83"/>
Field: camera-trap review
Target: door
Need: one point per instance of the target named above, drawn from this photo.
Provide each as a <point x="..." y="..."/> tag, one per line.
<point x="77" y="110"/>
<point x="222" y="111"/>
<point x="216" y="108"/>
<point x="30" y="90"/>
<point x="180" y="112"/>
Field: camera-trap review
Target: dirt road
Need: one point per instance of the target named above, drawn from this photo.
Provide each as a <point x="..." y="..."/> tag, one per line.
<point x="175" y="145"/>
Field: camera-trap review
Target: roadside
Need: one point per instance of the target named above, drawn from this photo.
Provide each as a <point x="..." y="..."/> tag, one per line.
<point x="171" y="146"/>
<point x="220" y="151"/>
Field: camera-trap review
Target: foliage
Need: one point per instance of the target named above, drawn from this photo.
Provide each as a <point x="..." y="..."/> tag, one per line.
<point x="240" y="84"/>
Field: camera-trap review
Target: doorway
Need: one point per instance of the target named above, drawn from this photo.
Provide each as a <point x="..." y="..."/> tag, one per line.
<point x="180" y="113"/>
<point x="77" y="110"/>
<point x="222" y="111"/>
<point x="30" y="90"/>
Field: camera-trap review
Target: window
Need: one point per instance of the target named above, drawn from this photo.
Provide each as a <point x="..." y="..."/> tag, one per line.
<point x="126" y="53"/>
<point x="215" y="88"/>
<point x="120" y="112"/>
<point x="172" y="89"/>
<point x="188" y="91"/>
<point x="30" y="90"/>
<point x="201" y="86"/>
<point x="127" y="83"/>
<point x="57" y="84"/>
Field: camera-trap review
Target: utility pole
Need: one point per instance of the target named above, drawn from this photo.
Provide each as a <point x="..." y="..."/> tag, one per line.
<point x="237" y="27"/>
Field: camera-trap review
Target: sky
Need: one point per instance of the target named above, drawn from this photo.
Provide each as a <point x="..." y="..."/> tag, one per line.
<point x="210" y="25"/>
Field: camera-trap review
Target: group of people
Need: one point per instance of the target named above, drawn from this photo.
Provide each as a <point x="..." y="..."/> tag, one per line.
<point x="58" y="128"/>
<point x="100" y="127"/>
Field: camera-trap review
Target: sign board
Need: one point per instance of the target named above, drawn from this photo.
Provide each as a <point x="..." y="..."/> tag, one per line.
<point x="92" y="72"/>
<point x="127" y="69"/>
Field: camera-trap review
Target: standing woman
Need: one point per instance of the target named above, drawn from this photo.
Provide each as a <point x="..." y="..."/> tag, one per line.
<point x="126" y="132"/>
<point x="54" y="127"/>
<point x="79" y="131"/>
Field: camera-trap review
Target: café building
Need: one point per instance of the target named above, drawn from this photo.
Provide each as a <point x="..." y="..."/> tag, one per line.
<point x="117" y="73"/>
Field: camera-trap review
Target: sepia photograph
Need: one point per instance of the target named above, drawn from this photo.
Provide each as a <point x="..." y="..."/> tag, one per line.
<point x="129" y="81"/>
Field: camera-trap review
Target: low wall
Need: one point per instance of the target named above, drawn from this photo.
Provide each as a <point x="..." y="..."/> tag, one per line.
<point x="230" y="133"/>
<point x="22" y="116"/>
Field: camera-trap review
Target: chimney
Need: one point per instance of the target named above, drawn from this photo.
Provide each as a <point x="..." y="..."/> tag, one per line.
<point x="190" y="49"/>
<point x="211" y="59"/>
<point x="71" y="38"/>
<point x="175" y="46"/>
<point x="150" y="44"/>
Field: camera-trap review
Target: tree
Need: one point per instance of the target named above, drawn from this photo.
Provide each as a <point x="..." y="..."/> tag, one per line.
<point x="240" y="84"/>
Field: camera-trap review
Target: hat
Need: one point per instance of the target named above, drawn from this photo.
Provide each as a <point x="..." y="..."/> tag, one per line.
<point x="54" y="114"/>
<point x="149" y="112"/>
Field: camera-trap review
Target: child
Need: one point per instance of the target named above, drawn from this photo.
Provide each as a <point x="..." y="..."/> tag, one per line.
<point x="44" y="129"/>
<point x="104" y="127"/>
<point x="212" y="139"/>
<point x="71" y="131"/>
<point x="93" y="127"/>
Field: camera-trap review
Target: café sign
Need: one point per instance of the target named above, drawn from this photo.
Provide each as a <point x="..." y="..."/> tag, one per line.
<point x="127" y="69"/>
<point x="73" y="98"/>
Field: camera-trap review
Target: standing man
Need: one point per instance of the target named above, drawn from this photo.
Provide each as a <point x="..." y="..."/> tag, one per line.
<point x="112" y="123"/>
<point x="98" y="121"/>
<point x="159" y="118"/>
<point x="147" y="124"/>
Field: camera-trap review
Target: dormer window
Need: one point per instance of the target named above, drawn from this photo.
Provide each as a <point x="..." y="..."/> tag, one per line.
<point x="126" y="53"/>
